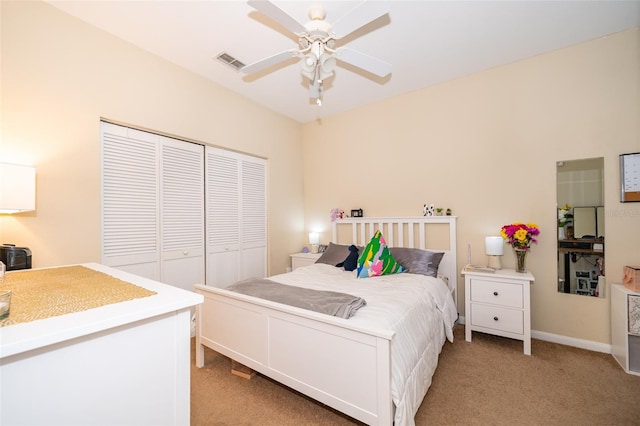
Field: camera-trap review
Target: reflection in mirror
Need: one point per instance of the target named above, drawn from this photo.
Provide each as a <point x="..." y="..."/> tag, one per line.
<point x="580" y="213"/>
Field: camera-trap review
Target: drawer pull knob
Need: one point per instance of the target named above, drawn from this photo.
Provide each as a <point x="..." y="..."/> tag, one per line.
<point x="495" y="318"/>
<point x="495" y="293"/>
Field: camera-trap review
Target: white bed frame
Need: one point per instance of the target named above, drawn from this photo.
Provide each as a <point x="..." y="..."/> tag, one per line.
<point x="327" y="358"/>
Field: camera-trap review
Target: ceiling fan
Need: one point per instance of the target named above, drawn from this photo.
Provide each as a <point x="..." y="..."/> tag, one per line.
<point x="316" y="41"/>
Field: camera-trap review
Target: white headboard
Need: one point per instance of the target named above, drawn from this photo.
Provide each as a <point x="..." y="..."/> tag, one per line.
<point x="409" y="232"/>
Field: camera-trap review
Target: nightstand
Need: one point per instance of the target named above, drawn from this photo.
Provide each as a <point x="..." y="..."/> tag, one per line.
<point x="304" y="259"/>
<point x="498" y="303"/>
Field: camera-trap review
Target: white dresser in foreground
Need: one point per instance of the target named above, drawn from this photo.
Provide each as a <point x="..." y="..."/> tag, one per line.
<point x="625" y="328"/>
<point x="499" y="303"/>
<point x="126" y="363"/>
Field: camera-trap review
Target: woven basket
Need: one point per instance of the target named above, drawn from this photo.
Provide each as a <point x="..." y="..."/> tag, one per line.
<point x="631" y="278"/>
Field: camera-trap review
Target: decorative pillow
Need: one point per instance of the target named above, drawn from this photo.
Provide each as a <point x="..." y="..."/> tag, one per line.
<point x="418" y="261"/>
<point x="376" y="259"/>
<point x="334" y="254"/>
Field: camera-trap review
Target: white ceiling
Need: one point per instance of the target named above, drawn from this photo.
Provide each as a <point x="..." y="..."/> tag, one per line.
<point x="427" y="42"/>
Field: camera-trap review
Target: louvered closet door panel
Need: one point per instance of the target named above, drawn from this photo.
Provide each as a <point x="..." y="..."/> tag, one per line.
<point x="130" y="198"/>
<point x="222" y="170"/>
<point x="182" y="212"/>
<point x="254" y="218"/>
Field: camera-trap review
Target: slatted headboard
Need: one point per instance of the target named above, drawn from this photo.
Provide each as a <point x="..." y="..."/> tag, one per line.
<point x="423" y="232"/>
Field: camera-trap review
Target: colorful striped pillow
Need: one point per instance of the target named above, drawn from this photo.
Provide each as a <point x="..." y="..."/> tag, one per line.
<point x="376" y="259"/>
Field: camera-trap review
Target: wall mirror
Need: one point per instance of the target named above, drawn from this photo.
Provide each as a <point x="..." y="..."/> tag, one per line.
<point x="581" y="233"/>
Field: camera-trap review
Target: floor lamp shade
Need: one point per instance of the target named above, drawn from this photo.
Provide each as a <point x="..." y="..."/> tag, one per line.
<point x="494" y="247"/>
<point x="17" y="188"/>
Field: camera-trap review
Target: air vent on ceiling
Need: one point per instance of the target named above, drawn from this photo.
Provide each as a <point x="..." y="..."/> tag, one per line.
<point x="230" y="60"/>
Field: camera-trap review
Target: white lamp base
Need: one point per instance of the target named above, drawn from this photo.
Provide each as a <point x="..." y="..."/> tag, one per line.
<point x="314" y="248"/>
<point x="495" y="262"/>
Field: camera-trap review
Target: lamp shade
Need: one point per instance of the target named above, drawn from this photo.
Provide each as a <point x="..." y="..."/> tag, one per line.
<point x="314" y="238"/>
<point x="494" y="246"/>
<point x="17" y="188"/>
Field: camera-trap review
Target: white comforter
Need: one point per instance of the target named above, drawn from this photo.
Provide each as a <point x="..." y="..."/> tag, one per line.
<point x="419" y="309"/>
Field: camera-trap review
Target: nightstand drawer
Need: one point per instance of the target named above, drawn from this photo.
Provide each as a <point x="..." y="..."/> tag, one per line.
<point x="497" y="318"/>
<point x="496" y="293"/>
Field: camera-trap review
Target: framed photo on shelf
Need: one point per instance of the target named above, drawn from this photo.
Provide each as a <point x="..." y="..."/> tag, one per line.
<point x="630" y="177"/>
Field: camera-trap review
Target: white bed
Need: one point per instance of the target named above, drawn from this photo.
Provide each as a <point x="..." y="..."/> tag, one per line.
<point x="375" y="366"/>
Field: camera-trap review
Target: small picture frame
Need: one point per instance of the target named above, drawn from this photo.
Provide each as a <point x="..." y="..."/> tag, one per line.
<point x="322" y="248"/>
<point x="356" y="213"/>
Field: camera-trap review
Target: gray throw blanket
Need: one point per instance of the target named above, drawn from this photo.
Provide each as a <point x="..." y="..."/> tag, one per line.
<point x="326" y="302"/>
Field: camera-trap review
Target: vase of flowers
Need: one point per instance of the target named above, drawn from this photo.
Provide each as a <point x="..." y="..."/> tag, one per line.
<point x="520" y="236"/>
<point x="521" y="260"/>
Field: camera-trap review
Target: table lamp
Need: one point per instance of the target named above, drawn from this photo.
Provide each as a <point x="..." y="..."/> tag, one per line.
<point x="314" y="240"/>
<point x="494" y="247"/>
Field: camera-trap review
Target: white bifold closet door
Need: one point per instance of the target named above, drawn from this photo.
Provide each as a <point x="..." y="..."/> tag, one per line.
<point x="153" y="205"/>
<point x="236" y="217"/>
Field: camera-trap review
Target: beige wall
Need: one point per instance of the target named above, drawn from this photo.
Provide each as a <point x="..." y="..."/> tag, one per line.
<point x="486" y="146"/>
<point x="60" y="76"/>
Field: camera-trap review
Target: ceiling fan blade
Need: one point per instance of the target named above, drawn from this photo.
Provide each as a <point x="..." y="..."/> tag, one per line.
<point x="268" y="62"/>
<point x="277" y="14"/>
<point x="363" y="61"/>
<point x="359" y="16"/>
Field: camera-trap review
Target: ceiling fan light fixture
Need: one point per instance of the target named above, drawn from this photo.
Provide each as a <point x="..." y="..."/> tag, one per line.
<point x="327" y="63"/>
<point x="309" y="64"/>
<point x="316" y="40"/>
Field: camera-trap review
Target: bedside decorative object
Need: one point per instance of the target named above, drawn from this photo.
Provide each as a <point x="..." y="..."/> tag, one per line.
<point x="448" y="212"/>
<point x="314" y="241"/>
<point x="521" y="260"/>
<point x="428" y="210"/>
<point x="494" y="247"/>
<point x="498" y="303"/>
<point x="336" y="214"/>
<point x="520" y="236"/>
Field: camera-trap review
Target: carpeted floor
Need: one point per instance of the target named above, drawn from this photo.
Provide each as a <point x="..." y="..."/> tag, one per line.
<point x="486" y="382"/>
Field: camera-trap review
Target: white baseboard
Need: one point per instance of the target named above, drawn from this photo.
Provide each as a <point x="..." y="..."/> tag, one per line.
<point x="564" y="340"/>
<point x="572" y="341"/>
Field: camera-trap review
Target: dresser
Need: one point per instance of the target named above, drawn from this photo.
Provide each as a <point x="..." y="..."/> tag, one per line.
<point x="498" y="303"/>
<point x="123" y="363"/>
<point x="625" y="328"/>
<point x="303" y="259"/>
